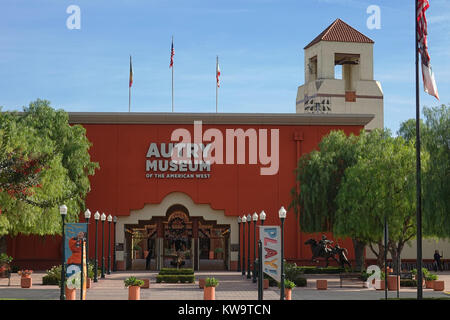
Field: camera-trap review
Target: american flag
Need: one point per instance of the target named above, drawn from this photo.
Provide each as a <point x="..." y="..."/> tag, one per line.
<point x="429" y="82"/>
<point x="172" y="53"/>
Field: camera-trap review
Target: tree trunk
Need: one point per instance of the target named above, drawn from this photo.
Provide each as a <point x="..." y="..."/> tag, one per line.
<point x="359" y="254"/>
<point x="3" y="244"/>
<point x="395" y="251"/>
<point x="379" y="254"/>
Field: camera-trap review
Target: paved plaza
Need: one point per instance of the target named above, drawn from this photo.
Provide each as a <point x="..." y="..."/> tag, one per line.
<point x="232" y="286"/>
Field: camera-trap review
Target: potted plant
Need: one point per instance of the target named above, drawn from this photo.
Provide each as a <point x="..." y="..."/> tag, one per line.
<point x="380" y="284"/>
<point x="209" y="292"/>
<point x="134" y="288"/>
<point x="429" y="280"/>
<point x="288" y="286"/>
<point x="425" y="272"/>
<point x="218" y="253"/>
<point x="72" y="283"/>
<point x="136" y="249"/>
<point x="25" y="278"/>
<point x="5" y="260"/>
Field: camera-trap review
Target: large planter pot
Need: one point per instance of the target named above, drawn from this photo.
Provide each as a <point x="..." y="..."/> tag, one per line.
<point x="209" y="293"/>
<point x="4" y="269"/>
<point x="379" y="284"/>
<point x="71" y="294"/>
<point x="438" y="285"/>
<point x="146" y="284"/>
<point x="134" y="293"/>
<point x="88" y="283"/>
<point x="429" y="284"/>
<point x="211" y="255"/>
<point x="26" y="282"/>
<point x="393" y="280"/>
<point x="266" y="284"/>
<point x="321" y="284"/>
<point x="287" y="294"/>
<point x="201" y="283"/>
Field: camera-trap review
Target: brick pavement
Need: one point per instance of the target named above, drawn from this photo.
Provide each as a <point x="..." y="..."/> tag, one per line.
<point x="232" y="286"/>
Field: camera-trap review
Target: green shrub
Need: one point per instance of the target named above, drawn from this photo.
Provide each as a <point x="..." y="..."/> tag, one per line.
<point x="173" y="278"/>
<point x="53" y="276"/>
<point x="50" y="280"/>
<point x="211" y="282"/>
<point x="408" y="283"/>
<point x="133" y="281"/>
<point x="5" y="259"/>
<point x="320" y="270"/>
<point x="289" y="284"/>
<point x="174" y="271"/>
<point x="431" y="277"/>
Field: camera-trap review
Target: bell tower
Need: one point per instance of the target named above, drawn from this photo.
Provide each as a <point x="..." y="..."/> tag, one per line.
<point x="339" y="75"/>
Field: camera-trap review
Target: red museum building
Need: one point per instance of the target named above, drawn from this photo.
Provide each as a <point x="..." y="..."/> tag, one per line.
<point x="192" y="210"/>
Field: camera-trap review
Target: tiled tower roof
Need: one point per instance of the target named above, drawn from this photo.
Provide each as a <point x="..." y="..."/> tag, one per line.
<point x="339" y="31"/>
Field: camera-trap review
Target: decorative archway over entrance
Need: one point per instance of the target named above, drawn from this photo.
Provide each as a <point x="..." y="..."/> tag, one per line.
<point x="176" y="232"/>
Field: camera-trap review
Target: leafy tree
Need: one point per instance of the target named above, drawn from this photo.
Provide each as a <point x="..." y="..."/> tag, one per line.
<point x="381" y="184"/>
<point x="435" y="139"/>
<point x="436" y="178"/>
<point x="320" y="174"/>
<point x="47" y="159"/>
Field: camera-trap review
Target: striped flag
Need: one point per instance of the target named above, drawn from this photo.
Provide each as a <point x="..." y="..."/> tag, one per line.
<point x="172" y="53"/>
<point x="131" y="74"/>
<point x="218" y="74"/>
<point x="429" y="83"/>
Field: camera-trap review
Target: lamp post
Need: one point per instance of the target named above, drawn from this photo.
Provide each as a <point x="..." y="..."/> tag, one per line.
<point x="249" y="220"/>
<point x="239" y="243"/>
<point x="109" y="244"/>
<point x="262" y="217"/>
<point x="282" y="215"/>
<point x="255" y="219"/>
<point x="114" y="248"/>
<point x="96" y="217"/>
<point x="103" y="217"/>
<point x="63" y="212"/>
<point x="244" y="219"/>
<point x="87" y="216"/>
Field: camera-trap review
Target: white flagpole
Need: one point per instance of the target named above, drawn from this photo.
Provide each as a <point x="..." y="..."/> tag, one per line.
<point x="217" y="84"/>
<point x="129" y="88"/>
<point x="172" y="76"/>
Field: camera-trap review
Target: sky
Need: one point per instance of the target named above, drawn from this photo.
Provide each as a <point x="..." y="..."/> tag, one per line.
<point x="259" y="43"/>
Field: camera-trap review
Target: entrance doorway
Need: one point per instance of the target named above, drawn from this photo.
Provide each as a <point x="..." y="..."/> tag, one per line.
<point x="177" y="240"/>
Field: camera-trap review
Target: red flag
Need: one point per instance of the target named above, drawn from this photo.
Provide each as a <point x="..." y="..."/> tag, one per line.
<point x="172" y="53"/>
<point x="218" y="74"/>
<point x="429" y="83"/>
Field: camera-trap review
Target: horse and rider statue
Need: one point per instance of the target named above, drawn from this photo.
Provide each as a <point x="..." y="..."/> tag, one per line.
<point x="324" y="249"/>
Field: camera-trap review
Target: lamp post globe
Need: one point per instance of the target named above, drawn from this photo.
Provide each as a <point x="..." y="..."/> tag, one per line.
<point x="244" y="219"/>
<point x="239" y="244"/>
<point x="255" y="219"/>
<point x="262" y="217"/>
<point x="114" y="246"/>
<point x="63" y="212"/>
<point x="87" y="216"/>
<point x="249" y="220"/>
<point x="282" y="215"/>
<point x="103" y="218"/>
<point x="96" y="218"/>
<point x="109" y="244"/>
